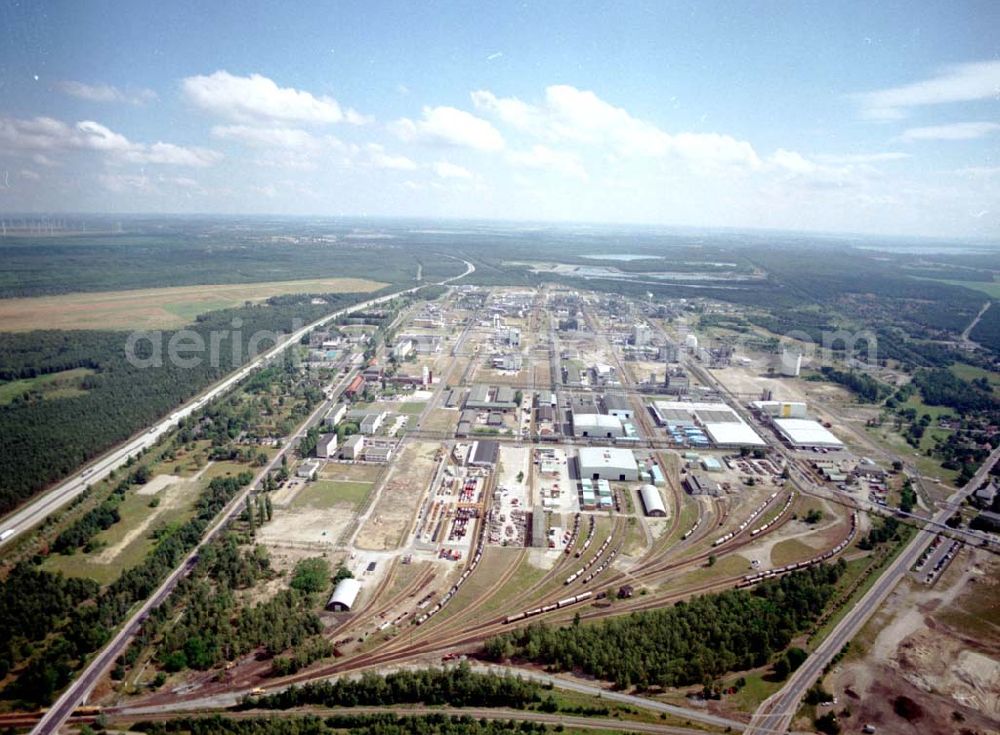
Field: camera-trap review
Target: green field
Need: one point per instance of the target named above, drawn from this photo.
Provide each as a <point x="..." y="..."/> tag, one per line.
<point x="971" y="372"/>
<point x="64" y="384"/>
<point x="331" y="493"/>
<point x="131" y="537"/>
<point x="411" y="408"/>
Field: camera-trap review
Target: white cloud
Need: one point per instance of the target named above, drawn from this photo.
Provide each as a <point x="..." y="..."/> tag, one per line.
<point x="955" y="83"/>
<point x="571" y="115"/>
<point x="449" y="126"/>
<point x="256" y="98"/>
<point x="448" y="170"/>
<point x="543" y="157"/>
<point x="851" y="158"/>
<point x="120" y="183"/>
<point x="380" y="159"/>
<point x="105" y="93"/>
<point x="50" y="135"/>
<point x="274" y="137"/>
<point x="27" y="173"/>
<point x="951" y="131"/>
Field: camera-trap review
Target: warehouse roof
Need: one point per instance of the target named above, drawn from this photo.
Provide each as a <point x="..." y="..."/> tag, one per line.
<point x="807" y="433"/>
<point x="651" y="500"/>
<point x="607" y="457"/>
<point x="599" y="420"/>
<point x="346" y="593"/>
<point x="733" y="434"/>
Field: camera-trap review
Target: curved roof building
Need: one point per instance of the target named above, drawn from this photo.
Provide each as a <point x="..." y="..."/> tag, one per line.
<point x="652" y="501"/>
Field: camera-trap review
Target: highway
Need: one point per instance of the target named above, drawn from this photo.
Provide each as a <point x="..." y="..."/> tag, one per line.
<point x="775" y="713"/>
<point x="81" y="687"/>
<point x="38" y="509"/>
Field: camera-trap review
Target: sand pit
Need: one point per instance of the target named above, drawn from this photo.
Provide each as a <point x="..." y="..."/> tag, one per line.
<point x="157" y="483"/>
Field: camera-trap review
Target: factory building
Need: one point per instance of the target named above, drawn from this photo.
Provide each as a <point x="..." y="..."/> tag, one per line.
<point x="806" y="433"/>
<point x="641" y="334"/>
<point x="603" y="463"/>
<point x="372" y="422"/>
<point x="617" y="405"/>
<point x="781" y="409"/>
<point x="326" y="445"/>
<point x="597" y="425"/>
<point x="335" y="415"/>
<point x="354" y="446"/>
<point x="699" y="484"/>
<point x="489" y="397"/>
<point x="677" y="381"/>
<point x="484" y="453"/>
<point x="699" y="424"/>
<point x="344" y="596"/>
<point x="652" y="501"/>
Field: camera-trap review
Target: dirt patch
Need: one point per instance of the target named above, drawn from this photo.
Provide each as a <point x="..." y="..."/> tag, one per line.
<point x="924" y="647"/>
<point x="156" y="484"/>
<point x="398" y="499"/>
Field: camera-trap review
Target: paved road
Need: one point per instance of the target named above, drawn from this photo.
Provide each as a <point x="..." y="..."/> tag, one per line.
<point x="81" y="687"/>
<point x="775" y="713"/>
<point x="37" y="510"/>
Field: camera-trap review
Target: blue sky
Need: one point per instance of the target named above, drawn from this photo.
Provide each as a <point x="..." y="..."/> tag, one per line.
<point x="856" y="117"/>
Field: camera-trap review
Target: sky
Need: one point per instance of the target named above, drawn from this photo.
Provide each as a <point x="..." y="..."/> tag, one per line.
<point x="860" y="117"/>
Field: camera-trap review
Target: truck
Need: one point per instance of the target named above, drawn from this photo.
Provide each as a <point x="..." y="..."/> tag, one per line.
<point x="4" y="535"/>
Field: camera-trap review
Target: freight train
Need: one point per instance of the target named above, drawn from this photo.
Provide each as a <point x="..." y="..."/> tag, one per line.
<point x="566" y="602"/>
<point x="573" y="577"/>
<point x="461" y="580"/>
<point x="752" y="579"/>
<point x="757" y="511"/>
<point x="590" y="537"/>
<point x="573" y="534"/>
<point x="784" y="509"/>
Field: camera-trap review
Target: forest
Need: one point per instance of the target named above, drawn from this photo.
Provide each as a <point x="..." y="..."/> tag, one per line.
<point x="34" y="604"/>
<point x="201" y="625"/>
<point x="457" y="686"/>
<point x="42" y="441"/>
<point x="690" y="643"/>
<point x="867" y="388"/>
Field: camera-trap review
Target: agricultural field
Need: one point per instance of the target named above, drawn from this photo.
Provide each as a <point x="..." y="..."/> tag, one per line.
<point x="63" y="384"/>
<point x="156" y="308"/>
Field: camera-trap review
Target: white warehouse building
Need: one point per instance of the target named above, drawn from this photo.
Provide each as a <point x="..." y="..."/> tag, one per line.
<point x="597" y="425"/>
<point x="806" y="433"/>
<point x="604" y="463"/>
<point x="343" y="597"/>
<point x="652" y="501"/>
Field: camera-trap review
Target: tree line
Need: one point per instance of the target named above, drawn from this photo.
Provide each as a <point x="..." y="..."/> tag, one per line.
<point x="692" y="642"/>
<point x="383" y="723"/>
<point x="457" y="686"/>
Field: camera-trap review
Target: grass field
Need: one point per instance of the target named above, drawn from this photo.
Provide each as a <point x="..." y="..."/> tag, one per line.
<point x="127" y="542"/>
<point x="330" y="493"/>
<point x="64" y="384"/>
<point x="971" y="372"/>
<point x="155" y="308"/>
